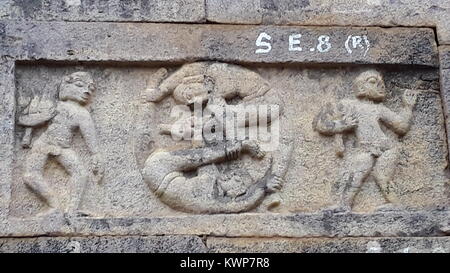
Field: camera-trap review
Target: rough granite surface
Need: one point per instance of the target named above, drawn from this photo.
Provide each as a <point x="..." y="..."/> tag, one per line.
<point x="413" y="13"/>
<point x="99" y="109"/>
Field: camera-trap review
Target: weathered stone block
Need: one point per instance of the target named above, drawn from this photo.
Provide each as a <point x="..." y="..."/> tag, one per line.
<point x="100" y="10"/>
<point x="229" y="11"/>
<point x="320" y="245"/>
<point x="115" y="244"/>
<point x="119" y="129"/>
<point x="193" y="244"/>
<point x="444" y="56"/>
<point x="330" y="12"/>
<point x="7" y="93"/>
<point x="323" y="224"/>
<point x="443" y="30"/>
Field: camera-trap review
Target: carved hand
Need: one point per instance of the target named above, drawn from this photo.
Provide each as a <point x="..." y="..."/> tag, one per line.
<point x="98" y="167"/>
<point x="350" y="121"/>
<point x="150" y="95"/>
<point x="409" y="98"/>
<point x="234" y="151"/>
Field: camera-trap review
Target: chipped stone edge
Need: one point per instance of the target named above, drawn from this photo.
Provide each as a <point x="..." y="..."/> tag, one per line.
<point x="444" y="69"/>
<point x="301" y="225"/>
<point x="211" y="244"/>
<point x="7" y="121"/>
<point x="329" y="245"/>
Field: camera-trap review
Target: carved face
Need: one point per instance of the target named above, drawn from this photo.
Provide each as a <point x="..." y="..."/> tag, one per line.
<point x="191" y="93"/>
<point x="77" y="87"/>
<point x="370" y="85"/>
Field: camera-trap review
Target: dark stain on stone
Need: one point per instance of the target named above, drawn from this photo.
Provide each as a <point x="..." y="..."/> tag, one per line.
<point x="2" y="30"/>
<point x="298" y="4"/>
<point x="126" y="222"/>
<point x="147" y="7"/>
<point x="125" y="10"/>
<point x="269" y="5"/>
<point x="29" y="8"/>
<point x="100" y="224"/>
<point x="437" y="9"/>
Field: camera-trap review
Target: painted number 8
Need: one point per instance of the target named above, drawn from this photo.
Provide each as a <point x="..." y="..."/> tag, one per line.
<point x="324" y="43"/>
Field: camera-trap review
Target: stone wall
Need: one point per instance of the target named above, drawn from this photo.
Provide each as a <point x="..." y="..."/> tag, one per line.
<point x="115" y="133"/>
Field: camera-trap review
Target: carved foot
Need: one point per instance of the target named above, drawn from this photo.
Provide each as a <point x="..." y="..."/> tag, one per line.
<point x="79" y="213"/>
<point x="49" y="213"/>
<point x="274" y="202"/>
<point x="391" y="207"/>
<point x="445" y="228"/>
<point x="337" y="209"/>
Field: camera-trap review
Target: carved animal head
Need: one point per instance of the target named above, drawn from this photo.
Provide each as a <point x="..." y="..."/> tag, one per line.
<point x="370" y="85"/>
<point x="77" y="87"/>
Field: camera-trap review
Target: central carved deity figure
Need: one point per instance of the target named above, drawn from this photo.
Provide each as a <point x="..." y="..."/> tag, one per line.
<point x="376" y="154"/>
<point x="209" y="178"/>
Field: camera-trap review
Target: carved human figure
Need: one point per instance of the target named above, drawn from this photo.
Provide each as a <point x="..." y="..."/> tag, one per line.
<point x="65" y="118"/>
<point x="376" y="154"/>
<point x="209" y="190"/>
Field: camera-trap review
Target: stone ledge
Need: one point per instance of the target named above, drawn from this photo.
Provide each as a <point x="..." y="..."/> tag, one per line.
<point x="324" y="245"/>
<point x="153" y="43"/>
<point x="194" y="244"/>
<point x="328" y="12"/>
<point x="114" y="244"/>
<point x="382" y="224"/>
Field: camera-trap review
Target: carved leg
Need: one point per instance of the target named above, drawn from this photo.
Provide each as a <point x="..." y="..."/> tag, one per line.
<point x="190" y="194"/>
<point x="360" y="167"/>
<point x="384" y="171"/>
<point x="185" y="160"/>
<point x="194" y="158"/>
<point x="162" y="163"/>
<point x="78" y="178"/>
<point x="34" y="177"/>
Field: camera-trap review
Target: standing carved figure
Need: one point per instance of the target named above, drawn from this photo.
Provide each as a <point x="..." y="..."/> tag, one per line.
<point x="376" y="154"/>
<point x="64" y="117"/>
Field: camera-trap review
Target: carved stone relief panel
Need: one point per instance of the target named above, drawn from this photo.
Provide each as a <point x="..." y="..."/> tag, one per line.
<point x="126" y="129"/>
<point x="116" y="141"/>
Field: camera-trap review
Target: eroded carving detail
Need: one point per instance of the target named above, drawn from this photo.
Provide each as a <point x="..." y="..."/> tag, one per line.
<point x="64" y="117"/>
<point x="375" y="154"/>
<point x="210" y="176"/>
